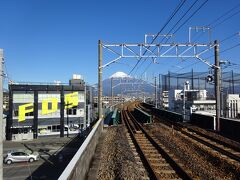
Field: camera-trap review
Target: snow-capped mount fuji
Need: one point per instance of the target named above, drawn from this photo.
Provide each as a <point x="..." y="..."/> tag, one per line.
<point x="120" y="75"/>
<point x="125" y="84"/>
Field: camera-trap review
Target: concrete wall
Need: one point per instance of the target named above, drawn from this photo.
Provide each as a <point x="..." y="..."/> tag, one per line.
<point x="230" y="128"/>
<point x="203" y="121"/>
<point x="172" y="116"/>
<point x="79" y="165"/>
<point x="142" y="116"/>
<point x="22" y="136"/>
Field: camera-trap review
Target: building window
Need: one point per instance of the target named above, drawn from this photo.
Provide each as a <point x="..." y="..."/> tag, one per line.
<point x="69" y="111"/>
<point x="72" y="111"/>
<point x="16" y="113"/>
<point x="29" y="114"/>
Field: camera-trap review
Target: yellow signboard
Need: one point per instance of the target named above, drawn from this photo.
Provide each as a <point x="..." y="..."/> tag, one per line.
<point x="45" y="108"/>
<point x="23" y="110"/>
<point x="71" y="100"/>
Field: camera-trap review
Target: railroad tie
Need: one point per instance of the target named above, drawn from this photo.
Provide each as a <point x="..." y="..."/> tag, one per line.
<point x="151" y="151"/>
<point x="236" y="153"/>
<point x="145" y="178"/>
<point x="223" y="156"/>
<point x="137" y="158"/>
<point x="160" y="165"/>
<point x="164" y="171"/>
<point x="130" y="143"/>
<point x="148" y="148"/>
<point x="135" y="153"/>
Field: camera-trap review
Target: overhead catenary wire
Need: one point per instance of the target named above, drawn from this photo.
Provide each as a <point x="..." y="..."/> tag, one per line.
<point x="227" y="38"/>
<point x="170" y="18"/>
<point x="224" y="14"/>
<point x="186" y="19"/>
<point x="172" y="29"/>
<point x="190" y="16"/>
<point x="219" y="18"/>
<point x="225" y="50"/>
<point x="234" y="14"/>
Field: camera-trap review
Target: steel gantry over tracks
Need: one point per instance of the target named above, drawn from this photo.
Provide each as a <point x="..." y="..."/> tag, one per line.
<point x="145" y="50"/>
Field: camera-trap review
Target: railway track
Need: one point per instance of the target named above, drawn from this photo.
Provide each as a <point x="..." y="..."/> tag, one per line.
<point x="159" y="163"/>
<point x="227" y="151"/>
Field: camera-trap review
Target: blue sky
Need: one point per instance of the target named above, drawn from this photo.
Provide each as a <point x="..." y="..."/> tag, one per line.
<point x="47" y="40"/>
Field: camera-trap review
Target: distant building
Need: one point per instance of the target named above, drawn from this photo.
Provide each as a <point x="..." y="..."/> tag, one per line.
<point x="190" y="99"/>
<point x="233" y="108"/>
<point x="38" y="109"/>
<point x="90" y="111"/>
<point x="108" y="100"/>
<point x="5" y="101"/>
<point x="164" y="99"/>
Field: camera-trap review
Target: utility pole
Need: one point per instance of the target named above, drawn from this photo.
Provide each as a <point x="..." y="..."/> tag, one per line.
<point x="112" y="91"/>
<point x="121" y="90"/>
<point x="221" y="90"/>
<point x="232" y="83"/>
<point x="67" y="119"/>
<point x="159" y="91"/>
<point x="169" y="81"/>
<point x="184" y="103"/>
<point x="1" y="113"/>
<point x="99" y="79"/>
<point x="192" y="80"/>
<point x="155" y="79"/>
<point x="217" y="84"/>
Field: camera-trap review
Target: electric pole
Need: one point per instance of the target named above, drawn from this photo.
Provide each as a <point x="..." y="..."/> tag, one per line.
<point x="155" y="82"/>
<point x="112" y="91"/>
<point x="67" y="119"/>
<point x="159" y="91"/>
<point x="1" y="113"/>
<point x="99" y="79"/>
<point x="184" y="101"/>
<point x="217" y="84"/>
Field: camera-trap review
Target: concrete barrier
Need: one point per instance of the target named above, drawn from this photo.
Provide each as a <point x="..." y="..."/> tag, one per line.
<point x="202" y="121"/>
<point x="172" y="116"/>
<point x="22" y="136"/>
<point x="230" y="128"/>
<point x="79" y="165"/>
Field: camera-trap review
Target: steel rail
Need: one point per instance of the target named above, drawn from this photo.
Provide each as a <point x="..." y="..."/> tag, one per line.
<point x="175" y="166"/>
<point x="188" y="132"/>
<point x="146" y="163"/>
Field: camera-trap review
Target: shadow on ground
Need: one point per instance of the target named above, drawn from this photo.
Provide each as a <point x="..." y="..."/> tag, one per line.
<point x="53" y="166"/>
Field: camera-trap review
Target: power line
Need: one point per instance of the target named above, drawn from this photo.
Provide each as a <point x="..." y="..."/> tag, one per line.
<point x="229" y="37"/>
<point x="226" y="19"/>
<point x="188" y="66"/>
<point x="174" y="13"/>
<point x="180" y="20"/>
<point x="223" y="51"/>
<point x="220" y="17"/>
<point x="225" y="39"/>
<point x="170" y="18"/>
<point x="230" y="48"/>
<point x="186" y="19"/>
<point x="181" y="17"/>
<point x="191" y="16"/>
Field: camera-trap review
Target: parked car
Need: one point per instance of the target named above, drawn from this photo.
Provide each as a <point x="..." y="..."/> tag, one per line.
<point x="21" y="156"/>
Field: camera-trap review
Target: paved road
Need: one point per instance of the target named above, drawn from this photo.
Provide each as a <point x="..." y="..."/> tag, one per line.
<point x="49" y="166"/>
<point x="20" y="170"/>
